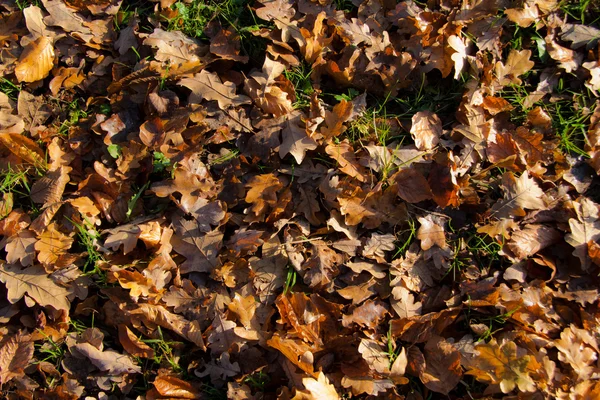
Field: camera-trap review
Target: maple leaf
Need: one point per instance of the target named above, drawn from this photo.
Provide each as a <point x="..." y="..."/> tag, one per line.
<point x="36" y="61"/>
<point x="504" y="364"/>
<point x="15" y="354"/>
<point x="295" y="140"/>
<point x="35" y="284"/>
<point x="207" y="85"/>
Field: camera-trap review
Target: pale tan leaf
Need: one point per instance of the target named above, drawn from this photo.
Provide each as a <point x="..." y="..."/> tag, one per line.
<point x="426" y="130"/>
<point x="110" y="361"/>
<point x="431" y="234"/>
<point x="320" y="388"/>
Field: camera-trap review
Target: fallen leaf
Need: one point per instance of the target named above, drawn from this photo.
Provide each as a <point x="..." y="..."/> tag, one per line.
<point x="35" y="284"/>
<point x="36" y="61"/>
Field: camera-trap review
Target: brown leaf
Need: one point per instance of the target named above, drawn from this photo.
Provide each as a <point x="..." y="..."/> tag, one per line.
<point x="419" y="329"/>
<point x="35" y="284"/>
<point x="50" y="188"/>
<point x="295" y="140"/>
<point x="443" y="370"/>
<point x="295" y="350"/>
<point x="412" y="185"/>
<point x="517" y="64"/>
<point x="262" y="192"/>
<point x="343" y="154"/>
<point x="159" y="315"/>
<point x="172" y="387"/>
<point x="36" y="61"/>
<point x="527" y="242"/>
<point x="208" y="86"/>
<point x="200" y="249"/>
<point x="133" y="345"/>
<point x="519" y="194"/>
<point x="367" y="315"/>
<point x="15" y="354"/>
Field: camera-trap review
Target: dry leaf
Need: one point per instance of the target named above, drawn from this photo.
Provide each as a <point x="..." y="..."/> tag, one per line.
<point x="36" y="61"/>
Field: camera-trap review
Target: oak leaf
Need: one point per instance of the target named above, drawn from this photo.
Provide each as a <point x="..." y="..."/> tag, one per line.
<point x="517" y="63"/>
<point x="133" y="345"/>
<point x="320" y="388"/>
<point x="20" y="247"/>
<point x="52" y="244"/>
<point x="34" y="283"/>
<point x="443" y="370"/>
<point x="200" y="249"/>
<point x="15" y="354"/>
<point x="36" y="61"/>
<point x="519" y="194"/>
<point x="504" y="364"/>
<point x="584" y="229"/>
<point x="170" y="386"/>
<point x="343" y="153"/>
<point x="431" y="234"/>
<point x="114" y="363"/>
<point x="207" y="85"/>
<point x="295" y="140"/>
<point x="23" y="147"/>
<point x="262" y="192"/>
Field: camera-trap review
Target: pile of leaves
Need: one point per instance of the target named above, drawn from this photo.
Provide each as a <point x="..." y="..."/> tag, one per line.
<point x="307" y="199"/>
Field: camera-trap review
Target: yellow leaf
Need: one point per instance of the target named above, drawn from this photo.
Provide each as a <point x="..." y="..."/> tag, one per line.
<point x="36" y="61"/>
<point x="24" y="148"/>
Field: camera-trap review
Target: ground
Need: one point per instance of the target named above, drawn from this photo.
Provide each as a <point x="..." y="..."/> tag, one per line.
<point x="312" y="199"/>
